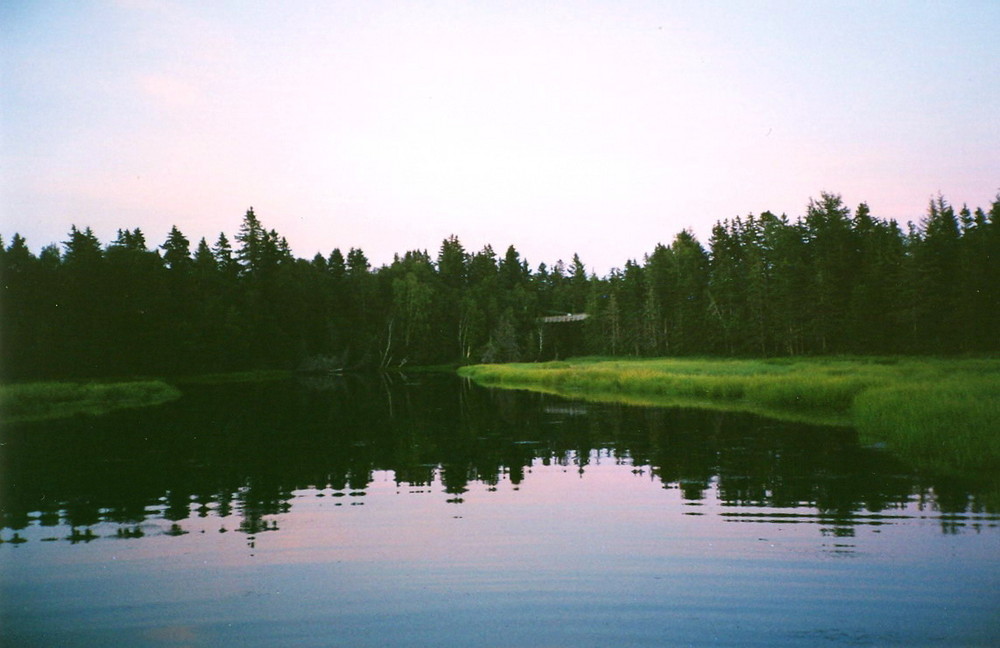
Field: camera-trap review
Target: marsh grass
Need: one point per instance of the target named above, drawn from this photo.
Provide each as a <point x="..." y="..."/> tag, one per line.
<point x="951" y="423"/>
<point x="942" y="413"/>
<point x="51" y="400"/>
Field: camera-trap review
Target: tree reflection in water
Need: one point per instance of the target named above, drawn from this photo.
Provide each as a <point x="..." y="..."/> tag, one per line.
<point x="246" y="448"/>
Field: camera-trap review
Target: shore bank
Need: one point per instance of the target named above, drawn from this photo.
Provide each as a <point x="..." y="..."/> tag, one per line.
<point x="41" y="401"/>
<point x="938" y="413"/>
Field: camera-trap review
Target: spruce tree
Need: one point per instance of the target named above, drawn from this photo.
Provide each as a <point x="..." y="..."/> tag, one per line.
<point x="177" y="251"/>
<point x="252" y="239"/>
<point x="223" y="252"/>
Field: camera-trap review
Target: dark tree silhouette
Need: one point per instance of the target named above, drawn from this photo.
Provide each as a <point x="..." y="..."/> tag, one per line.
<point x="831" y="281"/>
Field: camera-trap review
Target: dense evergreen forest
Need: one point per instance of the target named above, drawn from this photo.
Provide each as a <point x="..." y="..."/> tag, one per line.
<point x="829" y="282"/>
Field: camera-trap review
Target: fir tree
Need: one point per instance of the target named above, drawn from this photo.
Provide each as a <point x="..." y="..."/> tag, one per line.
<point x="176" y="251"/>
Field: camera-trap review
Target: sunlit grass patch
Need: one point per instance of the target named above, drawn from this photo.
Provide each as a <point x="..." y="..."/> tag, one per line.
<point x="937" y="412"/>
<point x="52" y="400"/>
<point x="807" y="391"/>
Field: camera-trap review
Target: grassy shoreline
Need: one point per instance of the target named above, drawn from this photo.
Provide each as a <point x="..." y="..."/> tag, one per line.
<point x="54" y="399"/>
<point x="43" y="401"/>
<point x="940" y="413"/>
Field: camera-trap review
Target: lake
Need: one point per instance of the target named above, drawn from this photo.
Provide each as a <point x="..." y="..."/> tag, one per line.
<point x="426" y="511"/>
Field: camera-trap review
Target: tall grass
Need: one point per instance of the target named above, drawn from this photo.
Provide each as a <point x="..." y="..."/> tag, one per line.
<point x="951" y="423"/>
<point x="940" y="412"/>
<point x="52" y="400"/>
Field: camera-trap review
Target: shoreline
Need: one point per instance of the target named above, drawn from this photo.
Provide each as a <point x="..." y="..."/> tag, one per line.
<point x="942" y="414"/>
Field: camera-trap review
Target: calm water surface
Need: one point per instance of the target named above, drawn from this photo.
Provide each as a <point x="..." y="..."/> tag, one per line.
<point x="429" y="512"/>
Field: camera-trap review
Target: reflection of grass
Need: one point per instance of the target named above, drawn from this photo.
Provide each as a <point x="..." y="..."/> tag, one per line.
<point x="52" y="400"/>
<point x="940" y="412"/>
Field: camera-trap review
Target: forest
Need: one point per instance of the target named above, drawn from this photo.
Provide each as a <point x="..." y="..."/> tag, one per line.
<point x="834" y="281"/>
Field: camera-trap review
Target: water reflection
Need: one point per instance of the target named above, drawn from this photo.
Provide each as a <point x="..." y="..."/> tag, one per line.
<point x="240" y="453"/>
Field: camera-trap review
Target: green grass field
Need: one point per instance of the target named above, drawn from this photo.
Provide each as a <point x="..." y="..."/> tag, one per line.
<point x="940" y="413"/>
<point x="42" y="401"/>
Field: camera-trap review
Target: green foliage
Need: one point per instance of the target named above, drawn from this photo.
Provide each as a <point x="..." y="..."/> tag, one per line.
<point x="831" y="282"/>
<point x="82" y="248"/>
<point x="947" y="418"/>
<point x="252" y="238"/>
<point x="177" y="250"/>
<point x="45" y="401"/>
<point x="939" y="413"/>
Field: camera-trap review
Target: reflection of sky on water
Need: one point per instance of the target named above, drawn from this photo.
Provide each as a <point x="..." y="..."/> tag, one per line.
<point x="623" y="508"/>
<point x="501" y="521"/>
<point x="610" y="549"/>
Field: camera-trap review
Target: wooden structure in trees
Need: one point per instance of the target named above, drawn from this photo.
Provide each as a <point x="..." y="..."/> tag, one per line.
<point x="556" y="319"/>
<point x="559" y="319"/>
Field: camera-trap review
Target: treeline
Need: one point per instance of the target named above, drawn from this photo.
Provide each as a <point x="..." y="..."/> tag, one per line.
<point x="832" y="281"/>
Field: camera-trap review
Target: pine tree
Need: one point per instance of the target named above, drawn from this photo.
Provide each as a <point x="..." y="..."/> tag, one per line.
<point x="513" y="272"/>
<point x="253" y="239"/>
<point x="223" y="252"/>
<point x="177" y="251"/>
<point x="82" y="248"/>
<point x="789" y="282"/>
<point x="690" y="312"/>
<point x="336" y="265"/>
<point x="18" y="307"/>
<point x="204" y="259"/>
<point x="579" y="285"/>
<point x="413" y="299"/>
<point x="980" y="282"/>
<point x="727" y="299"/>
<point x="876" y="317"/>
<point x="451" y="263"/>
<point x="833" y="254"/>
<point x="480" y="306"/>
<point x="938" y="260"/>
<point x="452" y="325"/>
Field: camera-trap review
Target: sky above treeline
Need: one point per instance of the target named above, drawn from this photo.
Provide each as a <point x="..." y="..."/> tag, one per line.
<point x="599" y="128"/>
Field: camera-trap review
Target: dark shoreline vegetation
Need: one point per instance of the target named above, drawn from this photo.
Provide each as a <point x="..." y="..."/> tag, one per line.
<point x="941" y="414"/>
<point x="834" y="281"/>
<point x="31" y="402"/>
<point x="42" y="401"/>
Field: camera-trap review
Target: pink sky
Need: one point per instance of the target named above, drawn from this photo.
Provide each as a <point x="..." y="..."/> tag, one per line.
<point x="589" y="127"/>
